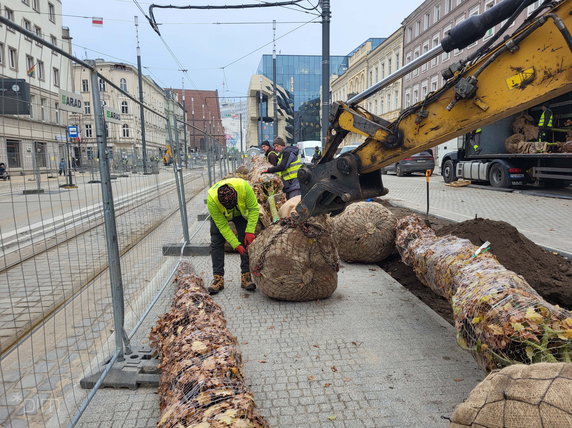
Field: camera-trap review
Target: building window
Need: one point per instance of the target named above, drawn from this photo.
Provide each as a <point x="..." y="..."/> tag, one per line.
<point x="2" y="58"/>
<point x="437" y="13"/>
<point x="388" y="66"/>
<point x="52" y="12"/>
<point x="32" y="102"/>
<point x="396" y="99"/>
<point x="434" y="44"/>
<point x="26" y="2"/>
<point x="36" y="5"/>
<point x="88" y="130"/>
<point x="388" y="102"/>
<point x="407" y="98"/>
<point x="425" y="22"/>
<point x="12" y="58"/>
<point x="124" y="107"/>
<point x="43" y="109"/>
<point x="57" y="110"/>
<point x="446" y="55"/>
<point x="434" y="82"/>
<point x="101" y="85"/>
<point x="474" y="12"/>
<point x="56" y="77"/>
<point x="123" y="84"/>
<point x="9" y="13"/>
<point x="491" y="31"/>
<point x="417" y="28"/>
<point x="424" y="88"/>
<point x="383" y="70"/>
<point x="381" y="107"/>
<point x="41" y="70"/>
<point x="53" y="40"/>
<point x="125" y="130"/>
<point x="415" y="56"/>
<point x="376" y="75"/>
<point x="397" y="62"/>
<point x="87" y="107"/>
<point x="415" y="95"/>
<point x="448" y="6"/>
<point x="409" y="34"/>
<point x="30" y="66"/>
<point x="425" y="50"/>
<point x="13" y="153"/>
<point x="27" y="25"/>
<point x="38" y="32"/>
<point x="41" y="153"/>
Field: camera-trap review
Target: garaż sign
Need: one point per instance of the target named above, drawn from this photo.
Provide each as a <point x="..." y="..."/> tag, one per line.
<point x="111" y="115"/>
<point x="70" y="101"/>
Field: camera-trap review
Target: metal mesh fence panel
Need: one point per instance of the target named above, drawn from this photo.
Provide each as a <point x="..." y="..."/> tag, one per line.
<point x="56" y="311"/>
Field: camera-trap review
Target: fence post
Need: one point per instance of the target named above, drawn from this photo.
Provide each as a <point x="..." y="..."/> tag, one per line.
<point x="110" y="225"/>
<point x="176" y="171"/>
<point x="209" y="159"/>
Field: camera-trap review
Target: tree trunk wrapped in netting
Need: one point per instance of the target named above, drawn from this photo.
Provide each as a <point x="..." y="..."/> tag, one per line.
<point x="364" y="232"/>
<point x="201" y="382"/>
<point x="498" y="316"/>
<point x="296" y="263"/>
<point x="531" y="396"/>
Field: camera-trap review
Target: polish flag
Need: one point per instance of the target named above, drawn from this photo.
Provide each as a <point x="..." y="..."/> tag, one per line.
<point x="97" y="22"/>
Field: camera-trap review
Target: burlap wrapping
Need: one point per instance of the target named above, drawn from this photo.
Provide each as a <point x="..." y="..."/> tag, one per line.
<point x="499" y="317"/>
<point x="512" y="143"/>
<point x="295" y="263"/>
<point x="535" y="396"/>
<point x="516" y="143"/>
<point x="364" y="232"/>
<point x="519" y="123"/>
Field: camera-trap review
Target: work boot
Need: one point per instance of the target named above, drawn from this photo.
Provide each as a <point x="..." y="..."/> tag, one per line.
<point x="216" y="285"/>
<point x="246" y="282"/>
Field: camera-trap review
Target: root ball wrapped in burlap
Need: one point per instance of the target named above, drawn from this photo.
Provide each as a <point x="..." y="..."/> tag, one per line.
<point x="532" y="396"/>
<point x="364" y="232"/>
<point x="295" y="263"/>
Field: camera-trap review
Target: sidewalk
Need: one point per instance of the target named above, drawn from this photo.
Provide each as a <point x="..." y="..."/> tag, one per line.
<point x="371" y="355"/>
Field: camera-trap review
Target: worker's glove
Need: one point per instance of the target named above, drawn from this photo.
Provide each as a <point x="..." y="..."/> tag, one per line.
<point x="266" y="172"/>
<point x="248" y="238"/>
<point x="241" y="250"/>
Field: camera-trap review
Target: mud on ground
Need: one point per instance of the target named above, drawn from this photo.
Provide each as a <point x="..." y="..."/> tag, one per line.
<point x="548" y="273"/>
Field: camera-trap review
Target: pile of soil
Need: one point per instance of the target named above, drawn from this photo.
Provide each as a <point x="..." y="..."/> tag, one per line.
<point x="548" y="273"/>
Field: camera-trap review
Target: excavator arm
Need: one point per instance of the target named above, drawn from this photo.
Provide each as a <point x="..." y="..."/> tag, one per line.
<point x="531" y="66"/>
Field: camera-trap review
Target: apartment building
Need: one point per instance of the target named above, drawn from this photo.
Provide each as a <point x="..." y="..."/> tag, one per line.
<point x="369" y="63"/>
<point x="35" y="137"/>
<point x="424" y="29"/>
<point x="122" y="114"/>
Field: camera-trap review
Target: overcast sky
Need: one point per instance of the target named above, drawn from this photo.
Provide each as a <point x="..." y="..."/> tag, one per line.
<point x="217" y="55"/>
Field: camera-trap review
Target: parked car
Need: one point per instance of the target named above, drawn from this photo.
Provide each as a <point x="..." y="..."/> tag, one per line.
<point x="345" y="149"/>
<point x="419" y="162"/>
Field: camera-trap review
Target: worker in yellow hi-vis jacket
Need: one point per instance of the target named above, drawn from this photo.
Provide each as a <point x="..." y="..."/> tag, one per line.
<point x="231" y="199"/>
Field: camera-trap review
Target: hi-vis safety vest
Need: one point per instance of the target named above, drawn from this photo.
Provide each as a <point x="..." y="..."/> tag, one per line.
<point x="292" y="171"/>
<point x="476" y="146"/>
<point x="542" y="119"/>
<point x="237" y="184"/>
<point x="269" y="152"/>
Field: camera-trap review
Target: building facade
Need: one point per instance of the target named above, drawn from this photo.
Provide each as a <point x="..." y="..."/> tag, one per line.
<point x="36" y="139"/>
<point x="260" y="112"/>
<point x="124" y="130"/>
<point x="424" y="29"/>
<point x="301" y="77"/>
<point x="203" y="113"/>
<point x="369" y="63"/>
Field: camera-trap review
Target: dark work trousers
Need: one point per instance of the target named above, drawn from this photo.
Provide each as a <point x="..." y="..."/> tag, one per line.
<point x="217" y="246"/>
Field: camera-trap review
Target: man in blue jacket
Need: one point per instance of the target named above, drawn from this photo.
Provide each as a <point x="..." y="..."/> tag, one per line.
<point x="288" y="165"/>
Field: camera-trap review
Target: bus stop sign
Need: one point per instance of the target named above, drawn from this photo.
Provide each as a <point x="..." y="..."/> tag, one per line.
<point x="73" y="132"/>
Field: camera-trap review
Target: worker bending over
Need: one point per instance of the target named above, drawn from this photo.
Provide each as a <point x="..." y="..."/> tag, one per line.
<point x="231" y="199"/>
<point x="288" y="165"/>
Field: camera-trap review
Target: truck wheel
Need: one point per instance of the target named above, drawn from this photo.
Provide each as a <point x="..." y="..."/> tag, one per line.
<point x="498" y="176"/>
<point x="448" y="172"/>
<point x="398" y="171"/>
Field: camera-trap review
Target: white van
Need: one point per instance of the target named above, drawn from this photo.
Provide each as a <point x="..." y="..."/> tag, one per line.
<point x="307" y="149"/>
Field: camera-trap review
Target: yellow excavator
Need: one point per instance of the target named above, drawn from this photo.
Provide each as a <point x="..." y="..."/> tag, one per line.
<point x="503" y="77"/>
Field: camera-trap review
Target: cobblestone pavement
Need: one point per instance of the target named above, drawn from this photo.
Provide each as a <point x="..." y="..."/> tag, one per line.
<point x="546" y="221"/>
<point x="372" y="355"/>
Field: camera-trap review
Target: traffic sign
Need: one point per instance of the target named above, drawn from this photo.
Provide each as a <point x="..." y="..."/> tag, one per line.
<point x="73" y="131"/>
